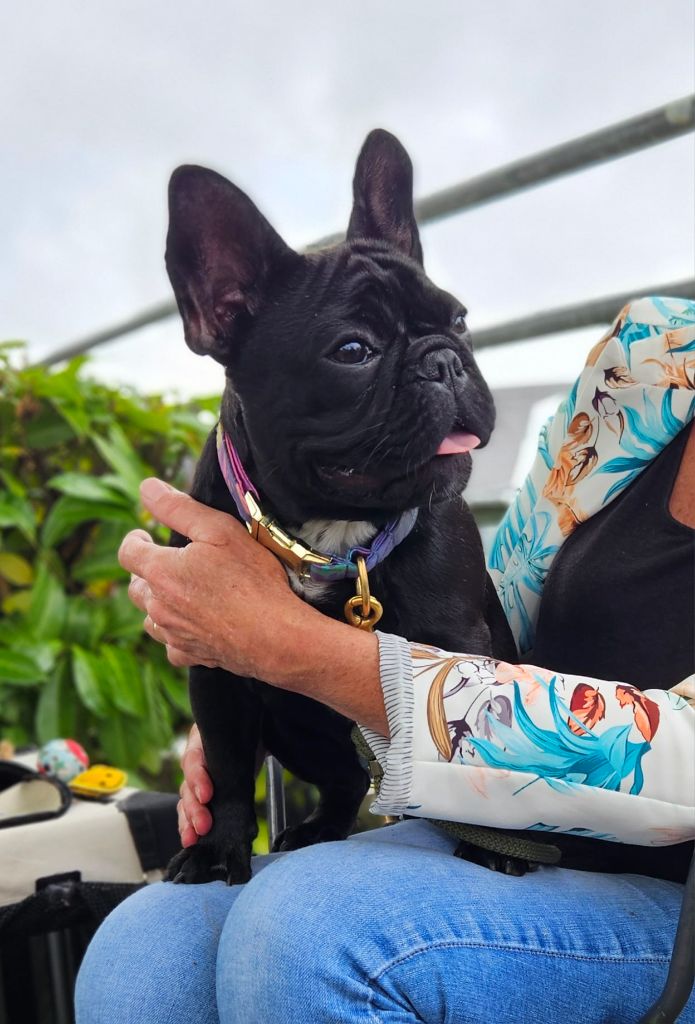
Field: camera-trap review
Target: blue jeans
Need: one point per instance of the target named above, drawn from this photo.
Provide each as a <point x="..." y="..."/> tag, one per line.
<point x="387" y="927"/>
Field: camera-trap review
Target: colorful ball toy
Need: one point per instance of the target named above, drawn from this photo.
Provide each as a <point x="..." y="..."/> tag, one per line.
<point x="62" y="758"/>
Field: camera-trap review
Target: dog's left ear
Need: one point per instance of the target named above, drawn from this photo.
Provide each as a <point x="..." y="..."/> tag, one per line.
<point x="383" y="195"/>
<point x="221" y="253"/>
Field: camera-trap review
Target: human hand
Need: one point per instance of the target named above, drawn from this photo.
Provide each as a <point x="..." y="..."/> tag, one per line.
<point x="211" y="602"/>
<point x="195" y="792"/>
<point x="224" y="600"/>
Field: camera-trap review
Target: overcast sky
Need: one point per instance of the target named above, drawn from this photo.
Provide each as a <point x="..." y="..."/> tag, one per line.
<point x="101" y="101"/>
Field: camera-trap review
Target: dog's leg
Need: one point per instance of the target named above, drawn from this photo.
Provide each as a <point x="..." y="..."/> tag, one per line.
<point x="314" y="743"/>
<point x="228" y="713"/>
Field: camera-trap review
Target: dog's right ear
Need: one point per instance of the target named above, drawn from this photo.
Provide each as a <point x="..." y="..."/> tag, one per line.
<point x="220" y="254"/>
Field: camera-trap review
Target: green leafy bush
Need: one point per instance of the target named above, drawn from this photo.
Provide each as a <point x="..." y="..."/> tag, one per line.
<point x="73" y="658"/>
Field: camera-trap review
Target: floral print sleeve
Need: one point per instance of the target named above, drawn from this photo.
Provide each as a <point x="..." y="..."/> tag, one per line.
<point x="516" y="746"/>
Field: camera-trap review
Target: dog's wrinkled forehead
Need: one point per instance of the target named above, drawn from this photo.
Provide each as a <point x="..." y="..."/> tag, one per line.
<point x="369" y="285"/>
<point x="378" y="283"/>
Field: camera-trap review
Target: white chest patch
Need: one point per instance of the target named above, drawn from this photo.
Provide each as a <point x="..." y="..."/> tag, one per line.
<point x="334" y="536"/>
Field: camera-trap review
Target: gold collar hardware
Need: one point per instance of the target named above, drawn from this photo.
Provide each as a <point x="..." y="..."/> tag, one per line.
<point x="362" y="610"/>
<point x="266" y="531"/>
<point x="370" y="610"/>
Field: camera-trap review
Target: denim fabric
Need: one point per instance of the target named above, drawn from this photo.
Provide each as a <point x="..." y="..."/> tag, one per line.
<point x="387" y="927"/>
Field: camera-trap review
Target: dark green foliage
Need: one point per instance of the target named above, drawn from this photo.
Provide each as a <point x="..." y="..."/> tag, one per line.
<point x="73" y="658"/>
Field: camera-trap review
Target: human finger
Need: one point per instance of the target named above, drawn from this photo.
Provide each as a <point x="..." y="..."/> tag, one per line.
<point x="194" y="769"/>
<point x="139" y="592"/>
<point x="184" y="514"/>
<point x="154" y="630"/>
<point x="189" y="836"/>
<point x="138" y="554"/>
<point x="186" y="659"/>
<point x="195" y="813"/>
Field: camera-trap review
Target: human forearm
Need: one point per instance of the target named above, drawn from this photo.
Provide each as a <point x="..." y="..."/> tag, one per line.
<point x="333" y="663"/>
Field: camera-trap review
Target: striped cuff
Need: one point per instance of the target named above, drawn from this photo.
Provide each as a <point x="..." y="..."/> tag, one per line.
<point x="395" y="755"/>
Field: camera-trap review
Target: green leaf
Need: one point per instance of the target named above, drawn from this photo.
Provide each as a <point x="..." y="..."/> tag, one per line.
<point x="13" y="484"/>
<point x="175" y="685"/>
<point x="17" y="735"/>
<point x="98" y="567"/>
<point x="117" y="451"/>
<point x="19" y="601"/>
<point x="16" y="569"/>
<point x="76" y="418"/>
<point x="16" y="511"/>
<point x="85" y="621"/>
<point x="47" y="429"/>
<point x="151" y="759"/>
<point x="46" y="614"/>
<point x="158" y="714"/>
<point x="56" y="712"/>
<point x="124" y="619"/>
<point x="122" y="740"/>
<point x="67" y="513"/>
<point x="93" y="690"/>
<point x="19" y="668"/>
<point x="43" y="652"/>
<point x="90" y="488"/>
<point x="14" y="633"/>
<point x="99" y="558"/>
<point x="127" y="691"/>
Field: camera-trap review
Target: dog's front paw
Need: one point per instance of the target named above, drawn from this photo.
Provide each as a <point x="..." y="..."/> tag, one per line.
<point x="501" y="862"/>
<point x="294" y="837"/>
<point x="207" y="863"/>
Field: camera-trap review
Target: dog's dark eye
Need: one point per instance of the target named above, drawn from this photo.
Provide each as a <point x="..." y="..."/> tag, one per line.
<point x="458" y="322"/>
<point x="352" y="352"/>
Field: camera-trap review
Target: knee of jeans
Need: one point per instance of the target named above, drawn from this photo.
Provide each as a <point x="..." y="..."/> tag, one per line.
<point x="154" y="957"/>
<point x="301" y="934"/>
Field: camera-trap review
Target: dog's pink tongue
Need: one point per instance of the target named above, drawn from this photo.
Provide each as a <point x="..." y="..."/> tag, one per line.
<point x="456" y="444"/>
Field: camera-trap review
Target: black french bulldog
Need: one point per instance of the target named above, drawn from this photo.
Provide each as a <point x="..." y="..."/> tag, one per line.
<point x="348" y="371"/>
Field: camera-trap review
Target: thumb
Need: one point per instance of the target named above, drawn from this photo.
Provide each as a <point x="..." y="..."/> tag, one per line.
<point x="184" y="514"/>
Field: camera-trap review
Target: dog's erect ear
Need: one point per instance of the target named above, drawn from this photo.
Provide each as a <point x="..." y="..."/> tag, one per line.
<point x="220" y="254"/>
<point x="383" y="195"/>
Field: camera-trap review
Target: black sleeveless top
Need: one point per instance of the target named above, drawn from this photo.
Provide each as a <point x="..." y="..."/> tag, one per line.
<point x="619" y="603"/>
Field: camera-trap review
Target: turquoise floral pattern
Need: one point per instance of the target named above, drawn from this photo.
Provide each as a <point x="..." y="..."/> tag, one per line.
<point x="635" y="394"/>
<point x="522" y="747"/>
<point x="562" y="755"/>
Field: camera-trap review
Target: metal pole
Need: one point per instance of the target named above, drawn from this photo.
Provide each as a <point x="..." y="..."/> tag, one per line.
<point x="656" y="126"/>
<point x="582" y="314"/>
<point x="153" y="315"/>
<point x="617" y="140"/>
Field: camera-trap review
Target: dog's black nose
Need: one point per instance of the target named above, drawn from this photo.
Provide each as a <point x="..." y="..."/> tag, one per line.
<point x="440" y="365"/>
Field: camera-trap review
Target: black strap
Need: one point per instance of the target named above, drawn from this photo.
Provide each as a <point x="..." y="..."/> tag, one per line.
<point x="153" y="824"/>
<point x="11" y="772"/>
<point x="63" y="901"/>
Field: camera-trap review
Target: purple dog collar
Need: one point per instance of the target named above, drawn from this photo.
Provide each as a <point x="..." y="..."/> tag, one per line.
<point x="317" y="566"/>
